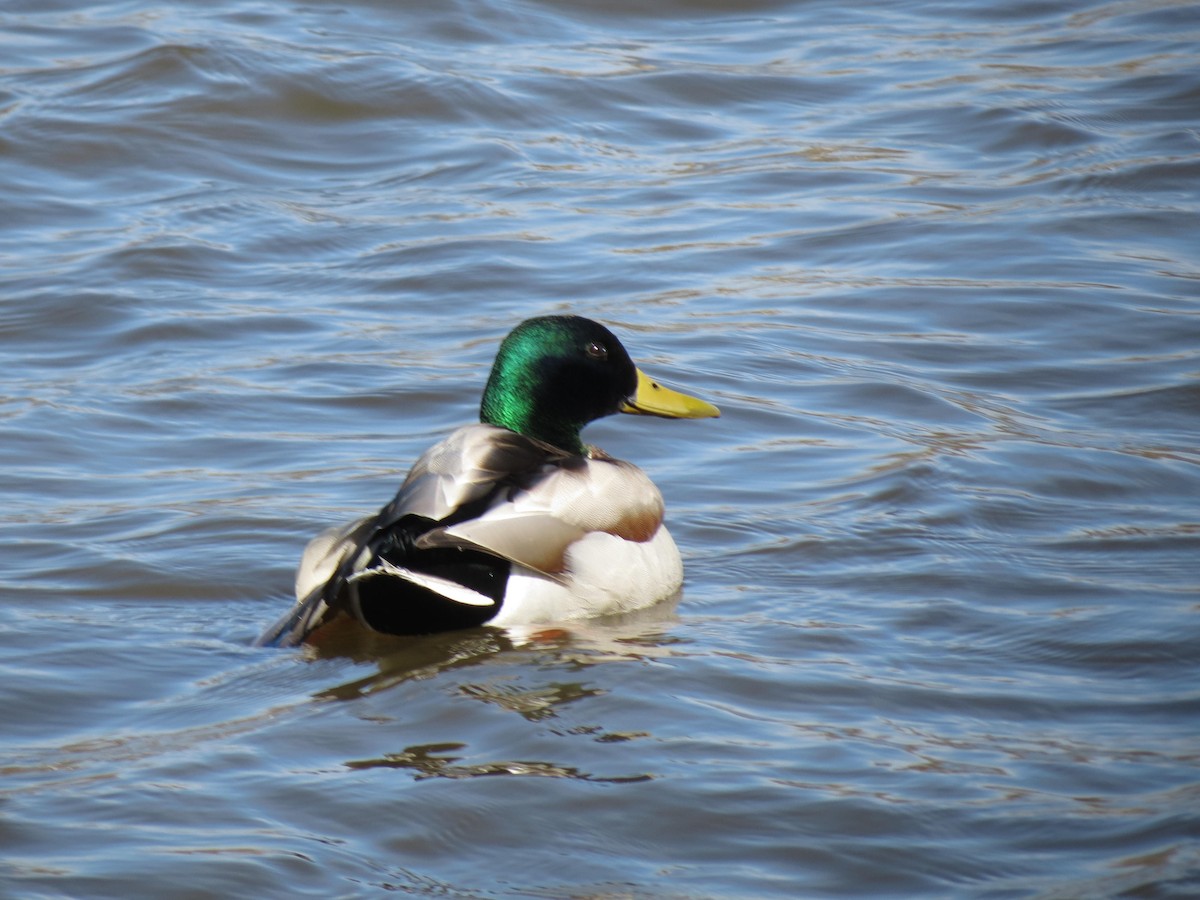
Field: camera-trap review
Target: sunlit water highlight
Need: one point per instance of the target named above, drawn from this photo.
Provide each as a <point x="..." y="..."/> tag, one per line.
<point x="937" y="264"/>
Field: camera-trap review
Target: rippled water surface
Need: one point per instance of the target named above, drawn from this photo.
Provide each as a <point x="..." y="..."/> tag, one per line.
<point x="938" y="264"/>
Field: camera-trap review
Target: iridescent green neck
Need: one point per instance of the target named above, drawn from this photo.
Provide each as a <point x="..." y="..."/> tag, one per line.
<point x="521" y="392"/>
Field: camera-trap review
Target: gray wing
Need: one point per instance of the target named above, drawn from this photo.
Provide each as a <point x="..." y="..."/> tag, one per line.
<point x="453" y="477"/>
<point x="452" y="481"/>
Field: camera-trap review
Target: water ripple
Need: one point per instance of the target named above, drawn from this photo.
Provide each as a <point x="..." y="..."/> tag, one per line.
<point x="938" y="633"/>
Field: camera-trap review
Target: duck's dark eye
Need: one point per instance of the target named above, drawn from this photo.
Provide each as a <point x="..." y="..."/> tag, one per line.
<point x="596" y="350"/>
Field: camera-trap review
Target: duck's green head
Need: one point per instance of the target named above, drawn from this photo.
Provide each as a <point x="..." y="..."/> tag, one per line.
<point x="554" y="374"/>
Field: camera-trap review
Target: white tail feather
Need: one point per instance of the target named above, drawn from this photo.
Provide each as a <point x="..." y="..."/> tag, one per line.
<point x="451" y="590"/>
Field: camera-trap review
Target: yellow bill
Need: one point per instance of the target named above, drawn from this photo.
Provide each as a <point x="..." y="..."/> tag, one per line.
<point x="652" y="399"/>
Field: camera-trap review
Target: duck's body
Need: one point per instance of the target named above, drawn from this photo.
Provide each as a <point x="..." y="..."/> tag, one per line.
<point x="512" y="521"/>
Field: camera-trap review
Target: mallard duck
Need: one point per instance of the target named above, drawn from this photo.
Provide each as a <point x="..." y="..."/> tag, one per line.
<point x="514" y="521"/>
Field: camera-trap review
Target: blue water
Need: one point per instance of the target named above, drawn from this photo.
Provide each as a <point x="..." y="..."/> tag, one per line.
<point x="936" y="263"/>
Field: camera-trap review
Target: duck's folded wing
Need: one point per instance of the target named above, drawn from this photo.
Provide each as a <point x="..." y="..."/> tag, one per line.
<point x="537" y="524"/>
<point x="538" y="541"/>
<point x="459" y="476"/>
<point x="453" y="480"/>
